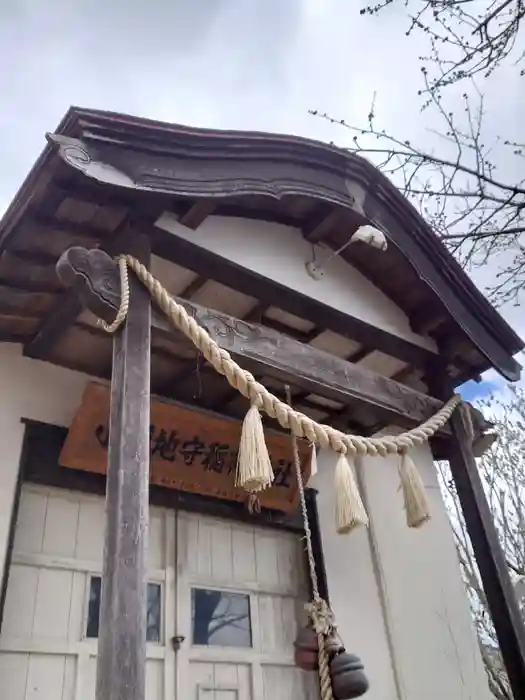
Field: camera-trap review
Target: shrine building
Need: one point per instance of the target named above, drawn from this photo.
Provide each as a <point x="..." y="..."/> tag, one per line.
<point x="320" y="279"/>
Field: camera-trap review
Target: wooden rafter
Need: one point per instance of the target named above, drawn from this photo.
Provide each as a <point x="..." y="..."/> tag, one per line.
<point x="319" y="226"/>
<point x="196" y="213"/>
<point x="303" y="336"/>
<point x="68" y="307"/>
<point x="354" y="357"/>
<point x="261" y="350"/>
<point x="186" y="254"/>
<point x="193" y="287"/>
<point x="425" y="322"/>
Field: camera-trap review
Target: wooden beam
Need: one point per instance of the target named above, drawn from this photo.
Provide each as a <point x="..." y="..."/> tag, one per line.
<point x="259" y="349"/>
<point x="296" y="333"/>
<point x="186" y="254"/>
<point x="56" y="323"/>
<point x="68" y="306"/>
<point x="257" y="313"/>
<point x="423" y="323"/>
<point x="193" y="287"/>
<point x="403" y="374"/>
<point x="501" y="599"/>
<point x="121" y="668"/>
<point x="354" y="357"/>
<point x="35" y="196"/>
<point x="41" y="225"/>
<point x="319" y="226"/>
<point x="359" y="355"/>
<point x="196" y="213"/>
<point x="31" y="286"/>
<point x="34" y="257"/>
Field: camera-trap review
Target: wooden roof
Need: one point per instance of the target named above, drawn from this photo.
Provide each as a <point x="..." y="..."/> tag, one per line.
<point x="102" y="175"/>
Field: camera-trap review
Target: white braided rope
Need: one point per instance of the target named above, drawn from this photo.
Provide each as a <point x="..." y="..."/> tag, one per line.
<point x="300" y="425"/>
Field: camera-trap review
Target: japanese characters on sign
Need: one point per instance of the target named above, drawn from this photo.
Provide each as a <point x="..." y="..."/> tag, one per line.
<point x="190" y="450"/>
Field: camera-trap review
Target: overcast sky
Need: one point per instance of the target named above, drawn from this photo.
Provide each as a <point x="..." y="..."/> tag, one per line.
<point x="252" y="64"/>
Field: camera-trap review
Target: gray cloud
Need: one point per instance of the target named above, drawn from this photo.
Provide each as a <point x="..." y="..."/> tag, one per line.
<point x="223" y="63"/>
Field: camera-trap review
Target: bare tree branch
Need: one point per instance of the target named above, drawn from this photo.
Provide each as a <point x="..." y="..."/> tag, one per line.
<point x="466" y="38"/>
<point x="457" y="188"/>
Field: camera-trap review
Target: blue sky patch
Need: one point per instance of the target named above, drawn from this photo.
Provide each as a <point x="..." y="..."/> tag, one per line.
<point x="473" y="391"/>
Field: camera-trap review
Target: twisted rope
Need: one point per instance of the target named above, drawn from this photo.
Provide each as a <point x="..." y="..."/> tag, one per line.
<point x="300" y="425"/>
<point x="318" y="610"/>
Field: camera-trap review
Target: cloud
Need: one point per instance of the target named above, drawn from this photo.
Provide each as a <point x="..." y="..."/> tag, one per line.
<point x="220" y="63"/>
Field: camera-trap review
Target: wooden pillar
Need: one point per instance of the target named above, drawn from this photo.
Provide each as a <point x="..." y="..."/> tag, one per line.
<point x="121" y="670"/>
<point x="490" y="559"/>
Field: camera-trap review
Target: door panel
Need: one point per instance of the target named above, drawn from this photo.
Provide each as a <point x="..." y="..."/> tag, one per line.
<point x="45" y="652"/>
<point x="243" y="578"/>
<point x="233" y="591"/>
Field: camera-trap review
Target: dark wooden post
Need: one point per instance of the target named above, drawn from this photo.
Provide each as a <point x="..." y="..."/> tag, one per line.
<point x="122" y="629"/>
<point x="490" y="559"/>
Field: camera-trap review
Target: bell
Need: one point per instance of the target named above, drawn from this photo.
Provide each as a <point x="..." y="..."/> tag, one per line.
<point x="348" y="677"/>
<point x="306" y="649"/>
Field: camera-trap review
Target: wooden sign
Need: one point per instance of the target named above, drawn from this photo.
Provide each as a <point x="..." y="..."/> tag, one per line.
<point x="190" y="450"/>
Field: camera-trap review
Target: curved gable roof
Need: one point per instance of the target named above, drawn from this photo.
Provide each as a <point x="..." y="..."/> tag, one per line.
<point x="274" y="172"/>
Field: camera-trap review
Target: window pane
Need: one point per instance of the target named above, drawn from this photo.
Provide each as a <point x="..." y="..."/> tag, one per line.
<point x="94" y="607"/>
<point x="220" y="618"/>
<point x="153" y="618"/>
<point x="153" y="610"/>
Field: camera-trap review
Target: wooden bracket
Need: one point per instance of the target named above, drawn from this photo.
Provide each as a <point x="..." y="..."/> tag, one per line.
<point x="94" y="276"/>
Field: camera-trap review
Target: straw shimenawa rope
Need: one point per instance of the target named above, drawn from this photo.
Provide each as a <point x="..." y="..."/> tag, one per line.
<point x="300" y="425"/>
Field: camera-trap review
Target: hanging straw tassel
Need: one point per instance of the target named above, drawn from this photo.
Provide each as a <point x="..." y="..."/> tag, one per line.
<point x="414" y="494"/>
<point x="313" y="460"/>
<point x="254" y="468"/>
<point x="349" y="509"/>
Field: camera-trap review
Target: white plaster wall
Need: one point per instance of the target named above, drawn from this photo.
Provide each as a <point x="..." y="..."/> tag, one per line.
<point x="28" y="389"/>
<point x="433" y="636"/>
<point x="354" y="593"/>
<point x="280" y="252"/>
<point x="394" y="584"/>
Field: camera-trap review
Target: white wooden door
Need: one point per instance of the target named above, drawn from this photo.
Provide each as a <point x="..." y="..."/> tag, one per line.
<point x="48" y="643"/>
<point x="244" y="649"/>
<point x="253" y="576"/>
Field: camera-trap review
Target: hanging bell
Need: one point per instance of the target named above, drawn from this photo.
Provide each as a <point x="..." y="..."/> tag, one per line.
<point x="306" y="649"/>
<point x="348" y="677"/>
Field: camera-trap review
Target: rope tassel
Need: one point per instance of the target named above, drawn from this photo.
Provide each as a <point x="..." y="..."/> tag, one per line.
<point x="254" y="468"/>
<point x="349" y="508"/>
<point x="414" y="495"/>
<point x="313" y="460"/>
